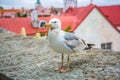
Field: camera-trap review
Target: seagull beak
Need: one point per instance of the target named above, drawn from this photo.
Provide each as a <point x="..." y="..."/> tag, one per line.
<point x="47" y="25"/>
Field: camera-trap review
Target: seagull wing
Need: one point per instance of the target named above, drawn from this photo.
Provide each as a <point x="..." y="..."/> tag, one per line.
<point x="74" y="42"/>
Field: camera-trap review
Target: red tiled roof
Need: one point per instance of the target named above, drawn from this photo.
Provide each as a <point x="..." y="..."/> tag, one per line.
<point x="73" y="17"/>
<point x="13" y="10"/>
<point x="15" y="25"/>
<point x="111" y="13"/>
<point x="10" y="10"/>
<point x="65" y="20"/>
<point x="79" y="14"/>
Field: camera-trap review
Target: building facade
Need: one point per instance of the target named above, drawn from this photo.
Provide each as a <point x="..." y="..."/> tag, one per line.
<point x="96" y="29"/>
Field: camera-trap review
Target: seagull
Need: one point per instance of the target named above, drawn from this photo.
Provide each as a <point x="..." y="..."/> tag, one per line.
<point x="64" y="42"/>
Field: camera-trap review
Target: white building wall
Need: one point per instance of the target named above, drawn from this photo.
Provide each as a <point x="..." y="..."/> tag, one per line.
<point x="96" y="29"/>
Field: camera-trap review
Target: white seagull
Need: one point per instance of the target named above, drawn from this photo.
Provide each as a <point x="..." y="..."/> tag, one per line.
<point x="63" y="42"/>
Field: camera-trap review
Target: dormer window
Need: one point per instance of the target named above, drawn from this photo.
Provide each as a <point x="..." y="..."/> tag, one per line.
<point x="42" y="23"/>
<point x="42" y="11"/>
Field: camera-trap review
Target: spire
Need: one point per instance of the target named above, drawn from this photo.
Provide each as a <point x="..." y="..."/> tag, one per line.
<point x="91" y="1"/>
<point x="38" y="2"/>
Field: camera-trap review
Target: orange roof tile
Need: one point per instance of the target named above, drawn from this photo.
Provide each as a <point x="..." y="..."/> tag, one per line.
<point x="15" y="25"/>
<point x="10" y="10"/>
<point x="112" y="13"/>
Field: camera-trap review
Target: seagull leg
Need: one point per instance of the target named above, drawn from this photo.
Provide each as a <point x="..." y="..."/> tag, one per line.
<point x="68" y="63"/>
<point x="62" y="60"/>
<point x="62" y="69"/>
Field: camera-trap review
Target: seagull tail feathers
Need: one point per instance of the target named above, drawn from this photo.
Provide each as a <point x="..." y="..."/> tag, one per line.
<point x="89" y="46"/>
<point x="83" y="49"/>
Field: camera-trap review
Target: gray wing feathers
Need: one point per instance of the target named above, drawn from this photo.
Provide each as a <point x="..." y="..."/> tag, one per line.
<point x="70" y="36"/>
<point x="74" y="42"/>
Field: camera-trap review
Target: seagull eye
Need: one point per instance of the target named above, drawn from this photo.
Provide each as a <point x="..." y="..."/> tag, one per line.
<point x="55" y="22"/>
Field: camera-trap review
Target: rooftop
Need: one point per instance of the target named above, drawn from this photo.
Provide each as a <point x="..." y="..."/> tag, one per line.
<point x="73" y="17"/>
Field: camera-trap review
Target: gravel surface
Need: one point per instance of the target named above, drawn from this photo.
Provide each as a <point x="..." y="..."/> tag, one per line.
<point x="28" y="58"/>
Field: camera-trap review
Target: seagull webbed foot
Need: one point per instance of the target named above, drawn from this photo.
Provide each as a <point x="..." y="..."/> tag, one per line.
<point x="62" y="69"/>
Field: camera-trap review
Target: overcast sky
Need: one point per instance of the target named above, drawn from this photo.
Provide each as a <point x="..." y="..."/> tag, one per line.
<point x="48" y="3"/>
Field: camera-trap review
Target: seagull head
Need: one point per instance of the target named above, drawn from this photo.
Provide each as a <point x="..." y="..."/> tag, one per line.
<point x="54" y="23"/>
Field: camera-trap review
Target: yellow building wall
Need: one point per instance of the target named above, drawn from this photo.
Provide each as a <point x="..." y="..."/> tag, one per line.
<point x="96" y="29"/>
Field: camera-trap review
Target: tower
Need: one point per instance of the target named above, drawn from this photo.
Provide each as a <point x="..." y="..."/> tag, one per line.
<point x="37" y="4"/>
<point x="69" y="3"/>
<point x="40" y="9"/>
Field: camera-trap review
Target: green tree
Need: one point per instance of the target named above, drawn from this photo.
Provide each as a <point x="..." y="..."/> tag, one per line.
<point x="68" y="28"/>
<point x="21" y="14"/>
<point x="1" y="8"/>
<point x="18" y="14"/>
<point x="24" y="15"/>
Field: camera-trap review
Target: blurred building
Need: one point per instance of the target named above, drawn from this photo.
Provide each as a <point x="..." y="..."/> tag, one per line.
<point x="99" y="25"/>
<point x="11" y="13"/>
<point x="69" y="3"/>
<point x="47" y="11"/>
<point x="41" y="11"/>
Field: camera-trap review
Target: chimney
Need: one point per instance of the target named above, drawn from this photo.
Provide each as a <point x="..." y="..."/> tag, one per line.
<point x="34" y="18"/>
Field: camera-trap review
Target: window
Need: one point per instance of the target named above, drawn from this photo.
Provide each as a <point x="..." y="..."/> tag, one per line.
<point x="42" y="23"/>
<point x="118" y="27"/>
<point x="103" y="46"/>
<point x="43" y="11"/>
<point x="106" y="46"/>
